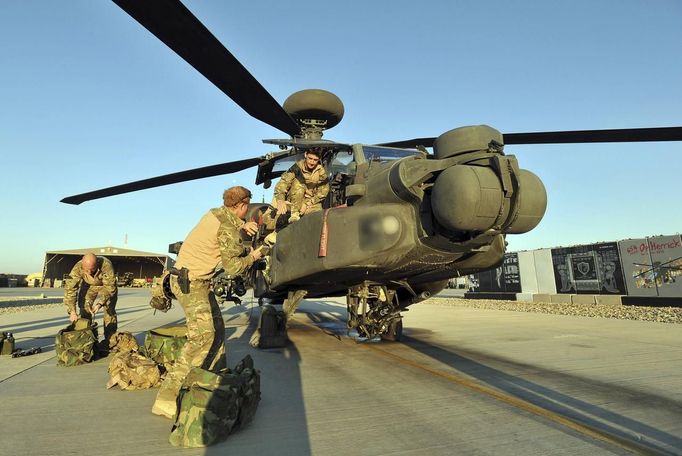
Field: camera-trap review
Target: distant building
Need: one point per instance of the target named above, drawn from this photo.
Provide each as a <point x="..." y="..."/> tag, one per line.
<point x="34" y="279"/>
<point x="144" y="266"/>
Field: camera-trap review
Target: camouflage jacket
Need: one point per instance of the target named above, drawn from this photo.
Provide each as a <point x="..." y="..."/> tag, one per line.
<point x="233" y="253"/>
<point x="104" y="276"/>
<point x="215" y="239"/>
<point x="314" y="185"/>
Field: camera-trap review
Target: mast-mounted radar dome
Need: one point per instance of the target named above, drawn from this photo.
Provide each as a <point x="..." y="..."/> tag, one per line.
<point x="315" y="108"/>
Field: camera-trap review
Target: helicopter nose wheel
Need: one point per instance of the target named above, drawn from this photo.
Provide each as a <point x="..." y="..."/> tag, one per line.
<point x="373" y="312"/>
<point x="394" y="332"/>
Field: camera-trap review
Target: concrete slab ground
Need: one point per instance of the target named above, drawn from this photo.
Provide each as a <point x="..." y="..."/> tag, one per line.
<point x="326" y="394"/>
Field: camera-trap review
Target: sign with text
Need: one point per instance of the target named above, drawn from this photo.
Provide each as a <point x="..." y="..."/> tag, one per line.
<point x="653" y="266"/>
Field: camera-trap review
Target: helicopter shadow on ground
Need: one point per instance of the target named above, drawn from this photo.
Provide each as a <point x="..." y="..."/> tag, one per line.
<point x="280" y="424"/>
<point x="330" y="320"/>
<point x="475" y="365"/>
<point x="29" y="342"/>
<point x="50" y="322"/>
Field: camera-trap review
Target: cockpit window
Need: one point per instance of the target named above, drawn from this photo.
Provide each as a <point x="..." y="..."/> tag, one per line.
<point x="284" y="164"/>
<point x="342" y="163"/>
<point x="384" y="154"/>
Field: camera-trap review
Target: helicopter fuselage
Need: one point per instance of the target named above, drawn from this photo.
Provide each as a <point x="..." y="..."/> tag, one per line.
<point x="390" y="226"/>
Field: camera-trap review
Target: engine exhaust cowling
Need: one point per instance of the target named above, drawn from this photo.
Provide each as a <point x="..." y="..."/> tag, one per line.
<point x="470" y="198"/>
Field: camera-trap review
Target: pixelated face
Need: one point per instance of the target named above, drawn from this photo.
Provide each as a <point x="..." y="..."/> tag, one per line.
<point x="311" y="160"/>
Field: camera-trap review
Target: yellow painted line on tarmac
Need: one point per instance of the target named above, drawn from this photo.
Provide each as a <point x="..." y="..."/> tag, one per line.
<point x="601" y="435"/>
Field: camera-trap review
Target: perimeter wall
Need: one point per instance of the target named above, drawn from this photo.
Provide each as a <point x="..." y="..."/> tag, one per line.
<point x="650" y="266"/>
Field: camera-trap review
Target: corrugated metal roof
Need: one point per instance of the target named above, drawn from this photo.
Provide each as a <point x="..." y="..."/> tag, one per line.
<point x="108" y="251"/>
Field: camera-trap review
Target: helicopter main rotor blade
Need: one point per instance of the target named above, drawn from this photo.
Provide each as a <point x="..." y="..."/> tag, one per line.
<point x="570" y="137"/>
<point x="171" y="22"/>
<point x="167" y="179"/>
<point x="596" y="136"/>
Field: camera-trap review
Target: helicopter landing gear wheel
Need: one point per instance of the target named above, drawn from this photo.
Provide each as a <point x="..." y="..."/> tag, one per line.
<point x="373" y="312"/>
<point x="394" y="332"/>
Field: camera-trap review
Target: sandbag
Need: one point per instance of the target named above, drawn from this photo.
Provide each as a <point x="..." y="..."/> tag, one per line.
<point x="213" y="405"/>
<point x="123" y="341"/>
<point x="163" y="345"/>
<point x="130" y="370"/>
<point x="76" y="344"/>
<point x="272" y="329"/>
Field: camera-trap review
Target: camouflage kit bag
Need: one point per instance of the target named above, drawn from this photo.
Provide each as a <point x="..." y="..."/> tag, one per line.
<point x="76" y="344"/>
<point x="163" y="345"/>
<point x="272" y="329"/>
<point x="130" y="370"/>
<point x="212" y="405"/>
<point x="123" y="341"/>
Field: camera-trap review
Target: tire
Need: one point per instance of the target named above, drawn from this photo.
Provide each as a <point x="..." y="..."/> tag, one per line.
<point x="395" y="332"/>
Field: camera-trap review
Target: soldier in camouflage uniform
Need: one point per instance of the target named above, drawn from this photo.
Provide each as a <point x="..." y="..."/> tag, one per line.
<point x="93" y="276"/>
<point x="215" y="239"/>
<point x="303" y="187"/>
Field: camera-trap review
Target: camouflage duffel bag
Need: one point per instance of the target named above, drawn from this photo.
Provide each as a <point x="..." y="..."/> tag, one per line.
<point x="130" y="370"/>
<point x="123" y="341"/>
<point x="76" y="344"/>
<point x="164" y="344"/>
<point x="212" y="405"/>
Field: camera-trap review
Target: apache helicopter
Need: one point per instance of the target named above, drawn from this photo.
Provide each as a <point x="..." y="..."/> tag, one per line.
<point x="399" y="221"/>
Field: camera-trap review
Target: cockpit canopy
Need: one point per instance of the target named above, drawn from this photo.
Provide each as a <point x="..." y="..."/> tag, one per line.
<point x="336" y="159"/>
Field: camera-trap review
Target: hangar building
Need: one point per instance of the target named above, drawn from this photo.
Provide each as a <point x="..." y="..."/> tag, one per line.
<point x="143" y="265"/>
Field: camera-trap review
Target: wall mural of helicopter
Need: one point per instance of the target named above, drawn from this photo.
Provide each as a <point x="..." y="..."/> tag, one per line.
<point x="399" y="220"/>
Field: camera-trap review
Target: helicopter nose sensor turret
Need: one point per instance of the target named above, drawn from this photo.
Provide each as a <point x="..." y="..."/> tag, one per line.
<point x="315" y="110"/>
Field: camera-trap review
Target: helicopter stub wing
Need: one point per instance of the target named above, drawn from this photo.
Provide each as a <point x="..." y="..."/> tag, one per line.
<point x="171" y="22"/>
<point x="166" y="179"/>
<point x="570" y="137"/>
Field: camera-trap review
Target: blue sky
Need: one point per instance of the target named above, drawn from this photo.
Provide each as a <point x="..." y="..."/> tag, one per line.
<point x="89" y="99"/>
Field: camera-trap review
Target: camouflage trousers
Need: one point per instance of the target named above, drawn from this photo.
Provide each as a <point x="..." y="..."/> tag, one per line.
<point x="205" y="347"/>
<point x="87" y="296"/>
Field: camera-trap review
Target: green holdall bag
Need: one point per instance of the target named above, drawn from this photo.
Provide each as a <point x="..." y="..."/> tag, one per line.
<point x="76" y="344"/>
<point x="213" y="405"/>
<point x="164" y="344"/>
